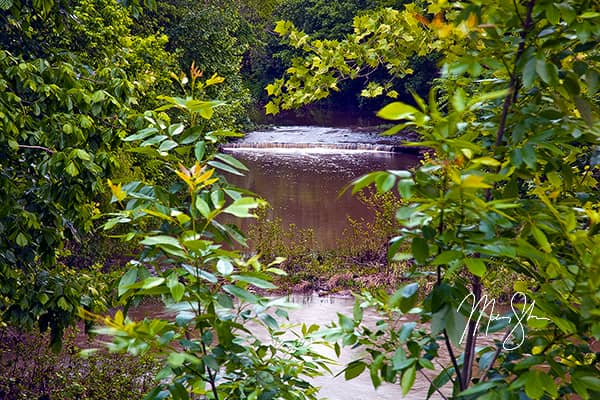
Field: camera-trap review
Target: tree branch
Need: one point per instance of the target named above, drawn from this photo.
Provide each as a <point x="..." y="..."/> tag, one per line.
<point x="496" y="354"/>
<point x="453" y="359"/>
<point x="434" y="386"/>
<point x="469" y="356"/>
<point x="46" y="149"/>
<point x="513" y="89"/>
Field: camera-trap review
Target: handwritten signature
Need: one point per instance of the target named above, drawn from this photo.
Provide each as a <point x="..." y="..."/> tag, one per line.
<point x="518" y="330"/>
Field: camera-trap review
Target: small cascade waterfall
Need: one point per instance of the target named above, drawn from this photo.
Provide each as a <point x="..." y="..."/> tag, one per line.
<point x="315" y="139"/>
<point x="362" y="147"/>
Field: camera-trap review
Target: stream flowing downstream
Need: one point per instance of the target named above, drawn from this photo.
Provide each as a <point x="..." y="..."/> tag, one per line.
<point x="301" y="170"/>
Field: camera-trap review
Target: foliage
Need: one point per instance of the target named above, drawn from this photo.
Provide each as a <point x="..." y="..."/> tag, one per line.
<point x="324" y="19"/>
<point x="213" y="35"/>
<point x="358" y="260"/>
<point x="29" y="370"/>
<point x="211" y="339"/>
<point x="333" y="21"/>
<point x="69" y="76"/>
<point x="513" y="184"/>
<point x="365" y="54"/>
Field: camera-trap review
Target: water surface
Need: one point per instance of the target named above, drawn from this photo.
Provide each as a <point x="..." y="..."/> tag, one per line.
<point x="303" y="182"/>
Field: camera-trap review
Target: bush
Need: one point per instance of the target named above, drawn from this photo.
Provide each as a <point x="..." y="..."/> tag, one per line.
<point x="30" y="370"/>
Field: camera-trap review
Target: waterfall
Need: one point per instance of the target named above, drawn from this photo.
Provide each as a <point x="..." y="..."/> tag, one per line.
<point x="363" y="147"/>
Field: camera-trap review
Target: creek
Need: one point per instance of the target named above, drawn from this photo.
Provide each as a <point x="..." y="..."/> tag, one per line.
<point x="322" y="311"/>
<point x="301" y="170"/>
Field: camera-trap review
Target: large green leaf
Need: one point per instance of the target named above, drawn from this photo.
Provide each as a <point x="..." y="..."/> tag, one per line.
<point x="242" y="206"/>
<point x="397" y="111"/>
<point x="254" y="280"/>
<point x="354" y="369"/>
<point x="241" y="294"/>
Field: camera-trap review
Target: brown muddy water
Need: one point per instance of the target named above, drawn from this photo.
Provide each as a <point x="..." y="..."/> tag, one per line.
<point x="301" y="170"/>
<point x="322" y="310"/>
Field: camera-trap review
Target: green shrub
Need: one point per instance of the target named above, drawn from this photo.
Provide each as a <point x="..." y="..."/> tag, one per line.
<point x="29" y="369"/>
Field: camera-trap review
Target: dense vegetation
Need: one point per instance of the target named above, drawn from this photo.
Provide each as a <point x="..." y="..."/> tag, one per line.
<point x="510" y="188"/>
<point x="100" y="131"/>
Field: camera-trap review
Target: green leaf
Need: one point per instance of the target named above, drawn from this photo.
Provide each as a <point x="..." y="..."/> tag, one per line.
<point x="552" y="14"/>
<point x="533" y="387"/>
<point x="451" y="320"/>
<point x="202" y="207"/>
<point x="408" y="379"/>
<point x="476" y="266"/>
<point x="529" y="156"/>
<point x="63" y="304"/>
<point x="405" y="187"/>
<point x="167" y="145"/>
<point x="357" y="312"/>
<point x="200" y="273"/>
<point x="402" y="295"/>
<point x="224" y="167"/>
<point x="591" y="382"/>
<point x="21" y="239"/>
<point x="150" y="283"/>
<point x="81" y="154"/>
<point x="127" y="280"/>
<point x="281" y="27"/>
<point x="478" y="388"/>
<point x="426" y="363"/>
<point x="253" y="280"/>
<point x="385" y="182"/>
<point x="406" y="331"/>
<point x="398" y="359"/>
<point x="446" y="257"/>
<point x="364" y="181"/>
<point x="547" y="71"/>
<point x="354" y="369"/>
<point x="177" y="291"/>
<point x="176" y="129"/>
<point x="396" y="111"/>
<point x="224" y="266"/>
<point x="153" y="140"/>
<point x="547" y="383"/>
<point x="271" y="108"/>
<point x="592" y="78"/>
<point x="43" y="298"/>
<point x="241" y="294"/>
<point x="199" y="150"/>
<point x="231" y="161"/>
<point x="541" y="239"/>
<point x="420" y="250"/>
<point x="13" y="144"/>
<point x="141" y="134"/>
<point x="346" y="323"/>
<point x="242" y="206"/>
<point x="585" y="109"/>
<point x="72" y="169"/>
<point x="459" y="100"/>
<point x="161" y="240"/>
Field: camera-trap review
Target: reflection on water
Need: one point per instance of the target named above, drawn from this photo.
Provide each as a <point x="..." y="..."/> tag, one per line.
<point x="302" y="182"/>
<point x="324" y="310"/>
<point x="303" y="186"/>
